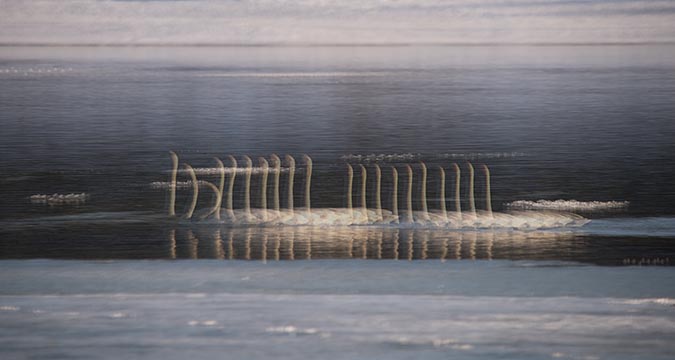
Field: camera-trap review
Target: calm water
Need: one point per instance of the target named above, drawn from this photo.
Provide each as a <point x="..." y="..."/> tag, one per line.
<point x="584" y="123"/>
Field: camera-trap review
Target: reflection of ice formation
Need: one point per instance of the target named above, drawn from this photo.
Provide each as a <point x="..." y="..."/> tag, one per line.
<point x="567" y="205"/>
<point x="362" y="242"/>
<point x="351" y="215"/>
<point x="59" y="199"/>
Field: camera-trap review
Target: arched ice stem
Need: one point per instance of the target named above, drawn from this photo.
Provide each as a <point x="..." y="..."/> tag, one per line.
<point x="308" y="182"/>
<point x="263" y="187"/>
<point x="172" y="186"/>
<point x="394" y="194"/>
<point x="230" y="186"/>
<point x="458" y="202"/>
<point x="488" y="195"/>
<point x="195" y="191"/>
<point x="291" y="174"/>
<point x="350" y="183"/>
<point x="472" y="202"/>
<point x="443" y="209"/>
<point x="425" y="210"/>
<point x="378" y="188"/>
<point x="216" y="205"/>
<point x="277" y="172"/>
<point x="364" y="178"/>
<point x="247" y="186"/>
<point x="219" y="192"/>
<point x="409" y="194"/>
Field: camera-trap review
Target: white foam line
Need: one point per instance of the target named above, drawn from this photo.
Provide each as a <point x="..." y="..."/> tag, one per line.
<point x="179" y="184"/>
<point x="379" y="157"/>
<point x="293" y="74"/>
<point x="410" y="156"/>
<point x="523" y="220"/>
<point x="481" y="155"/>
<point x="238" y="170"/>
<point x="59" y="199"/>
<point x="567" y="205"/>
<point x="656" y="301"/>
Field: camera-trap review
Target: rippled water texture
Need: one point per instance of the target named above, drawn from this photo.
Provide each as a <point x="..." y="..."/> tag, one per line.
<point x="86" y="131"/>
<point x="587" y="123"/>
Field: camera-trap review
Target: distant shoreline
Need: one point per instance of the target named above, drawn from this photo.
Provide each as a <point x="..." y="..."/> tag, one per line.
<point x="290" y="45"/>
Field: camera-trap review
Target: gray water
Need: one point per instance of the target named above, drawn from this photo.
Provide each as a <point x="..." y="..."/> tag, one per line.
<point x="583" y="123"/>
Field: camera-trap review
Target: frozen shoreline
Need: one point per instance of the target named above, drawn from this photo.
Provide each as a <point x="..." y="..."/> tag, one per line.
<point x="334" y="309"/>
<point x="525" y="278"/>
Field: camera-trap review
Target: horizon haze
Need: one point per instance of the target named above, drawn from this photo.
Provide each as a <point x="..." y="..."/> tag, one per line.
<point x="344" y="22"/>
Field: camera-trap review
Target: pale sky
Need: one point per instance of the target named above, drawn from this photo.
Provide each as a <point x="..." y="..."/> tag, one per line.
<point x="137" y="22"/>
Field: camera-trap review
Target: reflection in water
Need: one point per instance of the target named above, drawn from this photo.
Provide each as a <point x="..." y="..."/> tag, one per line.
<point x="277" y="246"/>
<point x="425" y="244"/>
<point x="248" y="243"/>
<point x="458" y="247"/>
<point x="192" y="244"/>
<point x="366" y="243"/>
<point x="472" y="245"/>
<point x="311" y="242"/>
<point x="396" y="244"/>
<point x="218" y="245"/>
<point x="444" y="251"/>
<point x="488" y="250"/>
<point x="230" y="244"/>
<point x="172" y="243"/>
<point x="291" y="244"/>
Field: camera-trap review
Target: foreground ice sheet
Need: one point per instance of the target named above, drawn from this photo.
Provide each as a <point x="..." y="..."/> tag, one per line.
<point x="346" y="309"/>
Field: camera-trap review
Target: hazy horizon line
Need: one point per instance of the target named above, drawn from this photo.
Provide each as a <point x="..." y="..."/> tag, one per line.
<point x="311" y="44"/>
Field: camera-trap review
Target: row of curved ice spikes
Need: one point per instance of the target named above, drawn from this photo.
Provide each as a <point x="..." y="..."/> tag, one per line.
<point x="351" y="215"/>
<point x="365" y="215"/>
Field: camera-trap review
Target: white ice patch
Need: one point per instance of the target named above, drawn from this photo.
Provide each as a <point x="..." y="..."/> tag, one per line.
<point x="656" y="301"/>
<point x="179" y="184"/>
<point x="437" y="343"/>
<point x="34" y="71"/>
<point x="59" y="199"/>
<point x="378" y="158"/>
<point x="238" y="170"/>
<point x="202" y="323"/>
<point x="462" y="347"/>
<point x="567" y="205"/>
<point x="291" y="330"/>
<point x="481" y="155"/>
